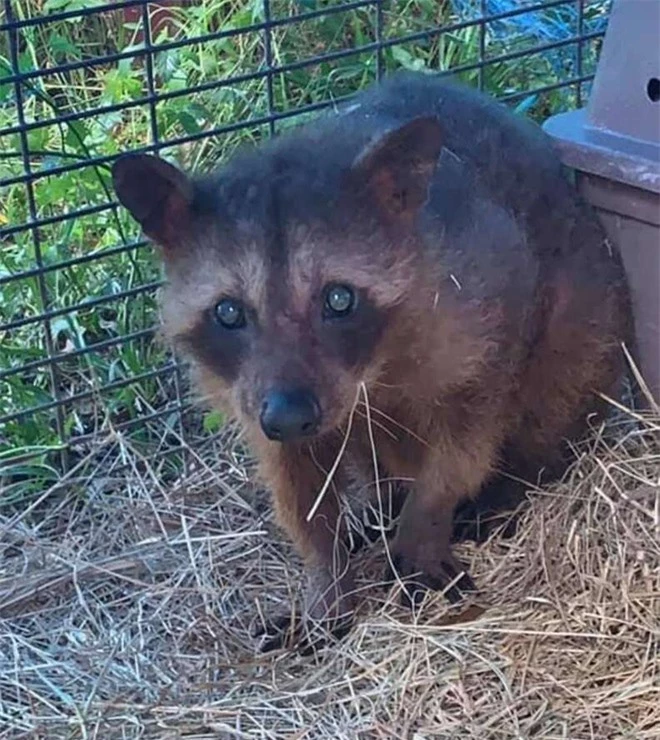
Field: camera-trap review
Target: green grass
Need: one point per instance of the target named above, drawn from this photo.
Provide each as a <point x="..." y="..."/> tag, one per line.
<point x="109" y="133"/>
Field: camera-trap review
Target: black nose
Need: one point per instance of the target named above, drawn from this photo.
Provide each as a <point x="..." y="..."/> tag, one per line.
<point x="288" y="415"/>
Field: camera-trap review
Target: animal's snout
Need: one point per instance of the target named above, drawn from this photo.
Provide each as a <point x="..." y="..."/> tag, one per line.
<point x="287" y="415"/>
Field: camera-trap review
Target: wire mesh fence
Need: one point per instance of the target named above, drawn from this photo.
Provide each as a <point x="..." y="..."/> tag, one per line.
<point x="82" y="82"/>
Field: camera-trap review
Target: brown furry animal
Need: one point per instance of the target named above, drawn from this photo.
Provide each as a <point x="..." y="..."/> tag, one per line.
<point x="412" y="274"/>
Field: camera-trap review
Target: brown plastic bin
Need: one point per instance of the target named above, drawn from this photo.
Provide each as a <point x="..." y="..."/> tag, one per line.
<point x="613" y="146"/>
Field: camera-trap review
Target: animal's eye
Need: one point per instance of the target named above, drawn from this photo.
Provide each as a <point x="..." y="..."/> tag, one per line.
<point x="230" y="314"/>
<point x="340" y="300"/>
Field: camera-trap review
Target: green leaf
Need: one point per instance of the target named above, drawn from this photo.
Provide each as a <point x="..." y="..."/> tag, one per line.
<point x="407" y="60"/>
<point x="213" y="421"/>
<point x="188" y="122"/>
<point x="38" y="138"/>
<point x="50" y="5"/>
<point x="75" y="137"/>
<point x="62" y="47"/>
<point x="54" y="5"/>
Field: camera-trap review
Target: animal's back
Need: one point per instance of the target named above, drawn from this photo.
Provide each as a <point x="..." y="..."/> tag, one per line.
<point x="506" y="151"/>
<point x="505" y="156"/>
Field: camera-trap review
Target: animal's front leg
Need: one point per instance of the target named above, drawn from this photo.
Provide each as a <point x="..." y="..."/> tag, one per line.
<point x="296" y="477"/>
<point x="421" y="554"/>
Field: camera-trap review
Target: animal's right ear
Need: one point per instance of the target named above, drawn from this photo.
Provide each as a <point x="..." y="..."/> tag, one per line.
<point x="157" y="194"/>
<point x="395" y="170"/>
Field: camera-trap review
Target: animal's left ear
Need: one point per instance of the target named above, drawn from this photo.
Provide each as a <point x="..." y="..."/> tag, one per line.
<point x="395" y="171"/>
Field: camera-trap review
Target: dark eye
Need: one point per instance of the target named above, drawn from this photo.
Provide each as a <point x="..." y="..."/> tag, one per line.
<point x="230" y="314"/>
<point x="339" y="301"/>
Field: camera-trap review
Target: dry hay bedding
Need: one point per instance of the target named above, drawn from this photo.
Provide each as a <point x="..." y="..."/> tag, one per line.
<point x="126" y="612"/>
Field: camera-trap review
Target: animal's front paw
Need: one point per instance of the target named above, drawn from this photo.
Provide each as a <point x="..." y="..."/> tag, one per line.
<point x="496" y="510"/>
<point x="275" y="633"/>
<point x="446" y="575"/>
<point x="479" y="525"/>
<point x="328" y="615"/>
<point x="304" y="634"/>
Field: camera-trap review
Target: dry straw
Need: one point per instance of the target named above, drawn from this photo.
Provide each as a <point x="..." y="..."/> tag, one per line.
<point x="126" y="608"/>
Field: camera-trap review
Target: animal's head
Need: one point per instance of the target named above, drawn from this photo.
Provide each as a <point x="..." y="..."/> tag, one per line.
<point x="287" y="270"/>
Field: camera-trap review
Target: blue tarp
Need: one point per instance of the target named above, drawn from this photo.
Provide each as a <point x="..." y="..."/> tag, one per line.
<point x="537" y="27"/>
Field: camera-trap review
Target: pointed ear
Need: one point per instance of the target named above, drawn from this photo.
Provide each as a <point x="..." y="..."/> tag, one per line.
<point x="395" y="171"/>
<point x="157" y="194"/>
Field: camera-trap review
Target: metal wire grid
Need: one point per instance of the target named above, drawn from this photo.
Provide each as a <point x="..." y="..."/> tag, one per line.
<point x="54" y="365"/>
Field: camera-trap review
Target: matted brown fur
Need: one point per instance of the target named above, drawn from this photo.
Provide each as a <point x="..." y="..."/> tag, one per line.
<point x="489" y="312"/>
